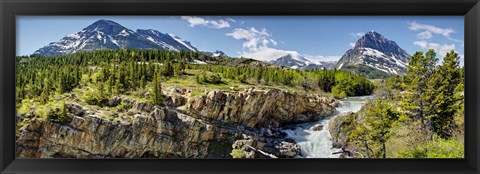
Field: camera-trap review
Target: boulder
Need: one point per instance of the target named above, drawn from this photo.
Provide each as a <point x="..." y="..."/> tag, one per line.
<point x="75" y="109"/>
<point x="335" y="125"/>
<point x="318" y="128"/>
<point x="114" y="101"/>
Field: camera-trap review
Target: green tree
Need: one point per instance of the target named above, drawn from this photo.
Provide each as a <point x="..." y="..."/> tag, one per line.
<point x="156" y="95"/>
<point x="376" y="129"/>
<point x="445" y="104"/>
<point x="168" y="70"/>
<point x="419" y="93"/>
<point x="380" y="118"/>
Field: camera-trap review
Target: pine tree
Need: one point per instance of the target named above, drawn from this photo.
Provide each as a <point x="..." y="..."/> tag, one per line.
<point x="167" y="69"/>
<point x="156" y="96"/>
<point x="419" y="94"/>
<point x="445" y="105"/>
<point x="143" y="82"/>
<point x="380" y="118"/>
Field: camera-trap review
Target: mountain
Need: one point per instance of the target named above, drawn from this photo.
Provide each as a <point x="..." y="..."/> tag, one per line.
<point x="375" y="55"/>
<point x="215" y="54"/>
<point x="300" y="62"/>
<point x="321" y="65"/>
<point x="167" y="41"/>
<point x="106" y="34"/>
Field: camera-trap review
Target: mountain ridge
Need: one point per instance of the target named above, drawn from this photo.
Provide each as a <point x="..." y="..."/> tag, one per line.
<point x="300" y="62"/>
<point x="375" y="51"/>
<point x="107" y="34"/>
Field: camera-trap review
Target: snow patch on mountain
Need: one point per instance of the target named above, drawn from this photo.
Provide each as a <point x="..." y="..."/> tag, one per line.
<point x="183" y="42"/>
<point x="376" y="51"/>
<point x="106" y="34"/>
<point x="296" y="61"/>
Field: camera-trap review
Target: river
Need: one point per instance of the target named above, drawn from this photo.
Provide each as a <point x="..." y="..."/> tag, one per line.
<point x="318" y="144"/>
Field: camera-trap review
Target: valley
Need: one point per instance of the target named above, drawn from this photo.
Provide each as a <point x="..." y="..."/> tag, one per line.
<point x="111" y="92"/>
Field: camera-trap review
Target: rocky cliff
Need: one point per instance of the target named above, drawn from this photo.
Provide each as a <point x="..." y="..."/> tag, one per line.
<point x="335" y="126"/>
<point x="255" y="108"/>
<point x="209" y="128"/>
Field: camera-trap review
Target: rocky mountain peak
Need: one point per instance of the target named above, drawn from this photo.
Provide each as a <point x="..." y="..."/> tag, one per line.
<point x="376" y="51"/>
<point x="107" y="34"/>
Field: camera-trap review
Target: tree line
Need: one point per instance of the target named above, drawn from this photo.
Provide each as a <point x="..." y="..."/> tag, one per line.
<point x="115" y="72"/>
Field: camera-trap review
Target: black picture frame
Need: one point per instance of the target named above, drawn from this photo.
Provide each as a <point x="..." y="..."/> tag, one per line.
<point x="11" y="8"/>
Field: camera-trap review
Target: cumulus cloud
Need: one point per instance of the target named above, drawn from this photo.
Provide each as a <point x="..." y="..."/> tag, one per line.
<point x="357" y="35"/>
<point x="441" y="49"/>
<point x="218" y="24"/>
<point x="428" y="32"/>
<point x="259" y="44"/>
<point x="266" y="53"/>
<point x="425" y="35"/>
<point x="431" y="28"/>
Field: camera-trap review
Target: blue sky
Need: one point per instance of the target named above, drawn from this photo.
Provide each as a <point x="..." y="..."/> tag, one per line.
<point x="264" y="37"/>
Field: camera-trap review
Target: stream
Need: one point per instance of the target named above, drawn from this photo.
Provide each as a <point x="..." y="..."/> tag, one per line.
<point x="318" y="144"/>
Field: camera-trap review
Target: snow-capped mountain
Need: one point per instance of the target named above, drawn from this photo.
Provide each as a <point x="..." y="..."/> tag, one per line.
<point x="321" y="65"/>
<point x="217" y="53"/>
<point x="167" y="41"/>
<point x="300" y="62"/>
<point x="106" y="34"/>
<point x="376" y="51"/>
<point x="292" y="61"/>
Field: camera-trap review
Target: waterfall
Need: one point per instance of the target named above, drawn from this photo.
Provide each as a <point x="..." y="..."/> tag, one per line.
<point x="318" y="144"/>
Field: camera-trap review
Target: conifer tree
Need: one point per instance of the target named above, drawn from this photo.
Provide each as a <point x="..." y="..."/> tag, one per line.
<point x="380" y="118"/>
<point x="156" y="95"/>
<point x="419" y="94"/>
<point x="445" y="104"/>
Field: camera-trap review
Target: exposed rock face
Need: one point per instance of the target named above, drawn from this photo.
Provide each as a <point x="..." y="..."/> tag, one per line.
<point x="163" y="133"/>
<point x="335" y="124"/>
<point x="261" y="108"/>
<point x="217" y="121"/>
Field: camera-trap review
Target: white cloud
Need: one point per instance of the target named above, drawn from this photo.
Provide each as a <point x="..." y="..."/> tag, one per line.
<point x="431" y="28"/>
<point x="266" y="53"/>
<point x="194" y="21"/>
<point x="253" y="38"/>
<point x="425" y="35"/>
<point x="357" y="35"/>
<point x="458" y="41"/>
<point x="322" y="58"/>
<point x="274" y="42"/>
<point x="441" y="49"/>
<point x="352" y="44"/>
<point x="248" y="34"/>
<point x="428" y="31"/>
<point x="258" y="44"/>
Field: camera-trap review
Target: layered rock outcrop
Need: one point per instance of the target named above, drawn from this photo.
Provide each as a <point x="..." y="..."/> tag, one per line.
<point x="208" y="128"/>
<point x="162" y="133"/>
<point x="255" y="108"/>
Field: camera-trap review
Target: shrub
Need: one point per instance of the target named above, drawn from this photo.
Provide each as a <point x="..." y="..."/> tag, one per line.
<point x="93" y="97"/>
<point x="53" y="112"/>
<point x="237" y="153"/>
<point x="438" y="148"/>
<point x="209" y="79"/>
<point x="338" y="93"/>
